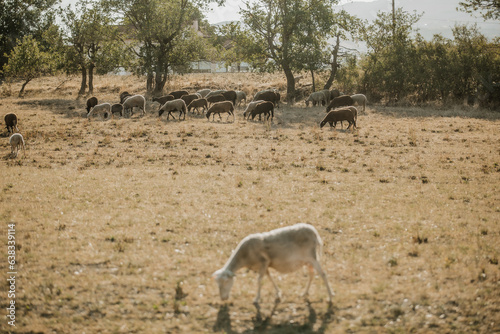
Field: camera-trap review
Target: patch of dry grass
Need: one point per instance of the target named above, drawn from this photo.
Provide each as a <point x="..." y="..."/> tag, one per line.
<point x="121" y="223"/>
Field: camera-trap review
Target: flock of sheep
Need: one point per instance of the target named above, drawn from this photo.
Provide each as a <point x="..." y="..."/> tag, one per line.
<point x="212" y="102"/>
<point x="285" y="249"/>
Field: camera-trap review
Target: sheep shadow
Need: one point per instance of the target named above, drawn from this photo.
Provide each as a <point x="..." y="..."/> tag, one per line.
<point x="264" y="325"/>
<point x="425" y="112"/>
<point x="68" y="108"/>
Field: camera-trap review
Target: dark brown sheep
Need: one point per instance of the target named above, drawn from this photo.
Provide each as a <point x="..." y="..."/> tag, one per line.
<point x="190" y="98"/>
<point x="268" y="95"/>
<point x="179" y="93"/>
<point x="91" y="102"/>
<point x="266" y="108"/>
<point x="11" y="122"/>
<point x="338" y="116"/>
<point x="215" y="98"/>
<point x="334" y="93"/>
<point x="341" y="101"/>
<point x="117" y="108"/>
<point x="220" y="108"/>
<point x="230" y="95"/>
<point x="123" y="96"/>
<point x="198" y="103"/>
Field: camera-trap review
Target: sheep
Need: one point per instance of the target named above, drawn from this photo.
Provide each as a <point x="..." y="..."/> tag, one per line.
<point x="175" y="105"/>
<point x="124" y="96"/>
<point x="285" y="249"/>
<point x="341" y="101"/>
<point x="240" y="96"/>
<point x="266" y="108"/>
<point x="251" y="106"/>
<point x="15" y="141"/>
<point x="360" y="100"/>
<point x="316" y="98"/>
<point x="162" y="99"/>
<point x="204" y="92"/>
<point x="215" y="92"/>
<point x="117" y="108"/>
<point x="134" y="101"/>
<point x="268" y="95"/>
<point x="104" y="108"/>
<point x="190" y="98"/>
<point x="215" y="98"/>
<point x="178" y="93"/>
<point x="334" y="93"/>
<point x="11" y="122"/>
<point x="339" y="115"/>
<point x="230" y="95"/>
<point x="326" y="92"/>
<point x="219" y="108"/>
<point x="354" y="112"/>
<point x="198" y="103"/>
<point x="91" y="102"/>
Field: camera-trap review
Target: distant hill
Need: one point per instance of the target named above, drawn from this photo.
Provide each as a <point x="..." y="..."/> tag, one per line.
<point x="439" y="16"/>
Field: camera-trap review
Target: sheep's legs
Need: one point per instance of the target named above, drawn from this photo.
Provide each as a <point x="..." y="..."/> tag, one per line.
<point x="321" y="273"/>
<point x="278" y="292"/>
<point x="311" y="276"/>
<point x="265" y="270"/>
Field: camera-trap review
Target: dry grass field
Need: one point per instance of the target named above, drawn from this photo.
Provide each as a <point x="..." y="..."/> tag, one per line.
<point x="120" y="223"/>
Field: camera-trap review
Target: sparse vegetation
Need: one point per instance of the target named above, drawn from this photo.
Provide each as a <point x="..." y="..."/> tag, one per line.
<point x="122" y="222"/>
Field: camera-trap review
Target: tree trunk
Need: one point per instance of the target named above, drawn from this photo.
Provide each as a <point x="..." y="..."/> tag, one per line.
<point x="314" y="82"/>
<point x="334" y="64"/>
<point x="149" y="82"/>
<point x="160" y="80"/>
<point x="91" y="79"/>
<point x="22" y="87"/>
<point x="290" y="85"/>
<point x="83" y="85"/>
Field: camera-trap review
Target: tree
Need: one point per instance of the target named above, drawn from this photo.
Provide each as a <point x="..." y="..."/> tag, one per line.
<point x="19" y="18"/>
<point x="347" y="26"/>
<point x="164" y="34"/>
<point x="490" y="8"/>
<point x="391" y="54"/>
<point x="93" y="41"/>
<point x="283" y="31"/>
<point x="28" y="62"/>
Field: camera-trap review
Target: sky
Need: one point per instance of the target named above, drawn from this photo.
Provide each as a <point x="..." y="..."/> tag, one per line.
<point x="229" y="12"/>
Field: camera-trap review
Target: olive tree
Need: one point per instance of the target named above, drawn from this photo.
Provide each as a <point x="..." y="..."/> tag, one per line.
<point x="284" y="32"/>
<point x="90" y="32"/>
<point x="27" y="62"/>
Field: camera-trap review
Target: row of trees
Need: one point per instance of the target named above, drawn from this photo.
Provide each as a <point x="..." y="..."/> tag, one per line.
<point x="155" y="37"/>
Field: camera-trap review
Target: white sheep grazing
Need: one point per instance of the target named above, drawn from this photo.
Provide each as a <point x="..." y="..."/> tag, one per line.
<point x="104" y="108"/>
<point x="285" y="249"/>
<point x="175" y="105"/>
<point x="316" y="98"/>
<point x="251" y="106"/>
<point x="240" y="96"/>
<point x="134" y="101"/>
<point x="360" y="100"/>
<point x="15" y="141"/>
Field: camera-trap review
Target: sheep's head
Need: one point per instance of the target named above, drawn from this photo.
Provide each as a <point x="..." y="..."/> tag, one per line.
<point x="225" y="280"/>
<point x="322" y="124"/>
<point x="160" y="112"/>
